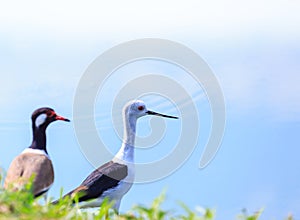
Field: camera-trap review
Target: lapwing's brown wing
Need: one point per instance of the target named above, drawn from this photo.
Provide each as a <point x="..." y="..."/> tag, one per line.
<point x="26" y="165"/>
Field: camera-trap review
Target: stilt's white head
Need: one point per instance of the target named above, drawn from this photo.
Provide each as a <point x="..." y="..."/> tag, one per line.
<point x="137" y="109"/>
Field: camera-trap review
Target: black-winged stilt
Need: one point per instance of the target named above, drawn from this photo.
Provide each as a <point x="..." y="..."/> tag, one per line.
<point x="113" y="179"/>
<point x="34" y="160"/>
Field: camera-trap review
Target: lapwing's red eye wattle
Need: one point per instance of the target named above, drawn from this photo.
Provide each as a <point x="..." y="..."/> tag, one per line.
<point x="50" y="113"/>
<point x="141" y="108"/>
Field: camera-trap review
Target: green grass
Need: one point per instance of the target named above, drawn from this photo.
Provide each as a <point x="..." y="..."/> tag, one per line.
<point x="22" y="205"/>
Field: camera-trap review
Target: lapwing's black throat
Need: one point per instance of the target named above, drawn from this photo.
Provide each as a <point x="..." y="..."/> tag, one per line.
<point x="34" y="161"/>
<point x="39" y="138"/>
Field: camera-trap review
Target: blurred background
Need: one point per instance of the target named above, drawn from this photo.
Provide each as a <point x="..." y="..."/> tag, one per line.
<point x="252" y="47"/>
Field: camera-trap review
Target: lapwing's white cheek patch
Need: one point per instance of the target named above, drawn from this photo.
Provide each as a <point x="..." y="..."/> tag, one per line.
<point x="40" y="120"/>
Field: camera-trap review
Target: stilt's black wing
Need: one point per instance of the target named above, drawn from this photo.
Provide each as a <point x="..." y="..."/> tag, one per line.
<point x="105" y="177"/>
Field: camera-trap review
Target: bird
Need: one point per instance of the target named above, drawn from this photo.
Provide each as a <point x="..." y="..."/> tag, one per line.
<point x="113" y="179"/>
<point x="34" y="162"/>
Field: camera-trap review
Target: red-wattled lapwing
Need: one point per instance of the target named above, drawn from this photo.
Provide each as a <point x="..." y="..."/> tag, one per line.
<point x="34" y="160"/>
<point x="113" y="179"/>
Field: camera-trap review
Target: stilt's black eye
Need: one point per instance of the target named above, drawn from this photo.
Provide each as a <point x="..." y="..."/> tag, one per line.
<point x="141" y="108"/>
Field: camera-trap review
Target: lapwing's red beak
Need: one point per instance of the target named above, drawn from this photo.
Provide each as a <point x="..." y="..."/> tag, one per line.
<point x="61" y="118"/>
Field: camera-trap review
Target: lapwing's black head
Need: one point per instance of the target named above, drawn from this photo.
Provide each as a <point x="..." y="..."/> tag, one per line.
<point x="42" y="117"/>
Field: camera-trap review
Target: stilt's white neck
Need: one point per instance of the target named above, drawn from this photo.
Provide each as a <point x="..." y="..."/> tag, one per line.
<point x="129" y="129"/>
<point x="126" y="153"/>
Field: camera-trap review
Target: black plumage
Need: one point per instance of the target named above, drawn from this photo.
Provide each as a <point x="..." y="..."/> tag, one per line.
<point x="100" y="180"/>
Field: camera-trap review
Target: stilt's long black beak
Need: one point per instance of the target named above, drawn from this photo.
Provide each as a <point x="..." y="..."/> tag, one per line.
<point x="161" y="115"/>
